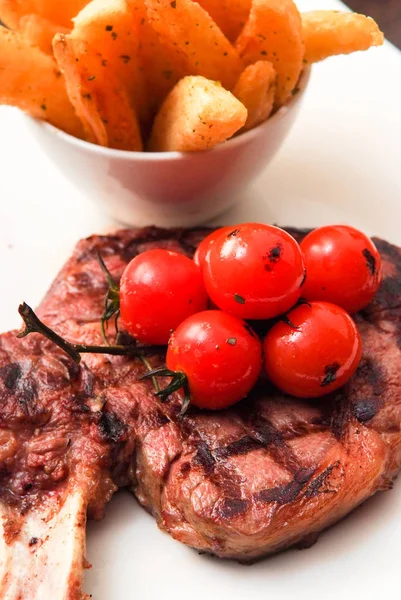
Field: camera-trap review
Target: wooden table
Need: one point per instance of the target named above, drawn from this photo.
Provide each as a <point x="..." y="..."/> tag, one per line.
<point x="386" y="12"/>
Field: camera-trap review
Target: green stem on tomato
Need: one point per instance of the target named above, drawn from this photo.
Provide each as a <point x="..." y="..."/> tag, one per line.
<point x="147" y="364"/>
<point x="34" y="325"/>
<point x="111" y="302"/>
<point x="178" y="381"/>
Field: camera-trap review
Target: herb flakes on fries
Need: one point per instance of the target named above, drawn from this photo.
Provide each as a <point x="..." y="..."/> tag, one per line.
<point x="164" y="74"/>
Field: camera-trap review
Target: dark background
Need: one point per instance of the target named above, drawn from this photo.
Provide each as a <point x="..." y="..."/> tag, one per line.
<point x="386" y="12"/>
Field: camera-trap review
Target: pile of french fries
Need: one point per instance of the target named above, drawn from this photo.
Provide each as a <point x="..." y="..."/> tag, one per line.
<point x="164" y="75"/>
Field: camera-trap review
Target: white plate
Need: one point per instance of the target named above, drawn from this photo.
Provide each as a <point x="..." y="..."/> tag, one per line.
<point x="342" y="163"/>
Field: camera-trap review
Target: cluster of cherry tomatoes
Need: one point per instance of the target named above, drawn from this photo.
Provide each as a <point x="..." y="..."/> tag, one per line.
<point x="204" y="309"/>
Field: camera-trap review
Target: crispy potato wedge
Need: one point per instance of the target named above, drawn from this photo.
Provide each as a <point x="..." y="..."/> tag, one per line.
<point x="256" y="89"/>
<point x="100" y="99"/>
<point x="9" y="14"/>
<point x="191" y="34"/>
<point x="30" y="80"/>
<point x="40" y="32"/>
<point x="328" y="32"/>
<point x="162" y="66"/>
<point x="196" y="115"/>
<point x="58" y="11"/>
<point x="229" y="15"/>
<point x="273" y="32"/>
<point x="111" y="27"/>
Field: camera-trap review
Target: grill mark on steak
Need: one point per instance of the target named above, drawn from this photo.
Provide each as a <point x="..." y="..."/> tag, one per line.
<point x="340" y="416"/>
<point x="204" y="458"/>
<point x="366" y="408"/>
<point x="11" y="374"/>
<point x="285" y="494"/>
<point x="320" y="485"/>
<point x="111" y="428"/>
<point x="229" y="508"/>
<point x="225" y="479"/>
<point x="238" y="448"/>
<point x="262" y="431"/>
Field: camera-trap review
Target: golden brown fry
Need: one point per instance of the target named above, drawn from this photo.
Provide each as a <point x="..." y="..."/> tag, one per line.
<point x="9" y="14"/>
<point x="162" y="67"/>
<point x="256" y="89"/>
<point x="40" y="32"/>
<point x="327" y="33"/>
<point x="229" y="15"/>
<point x="111" y="27"/>
<point x="100" y="99"/>
<point x="30" y="80"/>
<point x="196" y="115"/>
<point x="58" y="11"/>
<point x="273" y="32"/>
<point x="191" y="34"/>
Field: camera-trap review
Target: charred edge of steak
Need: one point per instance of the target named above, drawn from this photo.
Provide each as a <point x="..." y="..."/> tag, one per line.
<point x="126" y="243"/>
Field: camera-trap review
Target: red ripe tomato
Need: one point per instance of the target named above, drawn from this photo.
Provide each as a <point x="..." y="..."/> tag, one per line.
<point x="343" y="266"/>
<point x="316" y="354"/>
<point x="219" y="354"/>
<point x="201" y="251"/>
<point x="254" y="271"/>
<point x="158" y="290"/>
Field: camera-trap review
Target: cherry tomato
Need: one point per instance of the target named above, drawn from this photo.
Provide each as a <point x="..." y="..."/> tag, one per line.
<point x="314" y="355"/>
<point x="201" y="251"/>
<point x="220" y="355"/>
<point x="343" y="266"/>
<point x="254" y="271"/>
<point x="158" y="290"/>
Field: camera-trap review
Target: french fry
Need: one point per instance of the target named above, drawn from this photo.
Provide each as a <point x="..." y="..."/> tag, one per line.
<point x="196" y="115"/>
<point x="273" y="32"/>
<point x="100" y="99"/>
<point x="327" y="33"/>
<point x="58" y="11"/>
<point x="30" y="80"/>
<point x="190" y="33"/>
<point x="39" y="31"/>
<point x="229" y="15"/>
<point x="256" y="89"/>
<point x="162" y="66"/>
<point x="9" y="14"/>
<point x="111" y="27"/>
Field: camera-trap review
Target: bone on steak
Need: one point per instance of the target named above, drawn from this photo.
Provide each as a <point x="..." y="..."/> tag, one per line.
<point x="265" y="475"/>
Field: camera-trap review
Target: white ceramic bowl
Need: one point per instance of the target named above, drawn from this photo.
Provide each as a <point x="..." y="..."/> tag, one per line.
<point x="168" y="188"/>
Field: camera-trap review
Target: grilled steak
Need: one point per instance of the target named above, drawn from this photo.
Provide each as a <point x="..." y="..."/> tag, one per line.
<point x="242" y="483"/>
